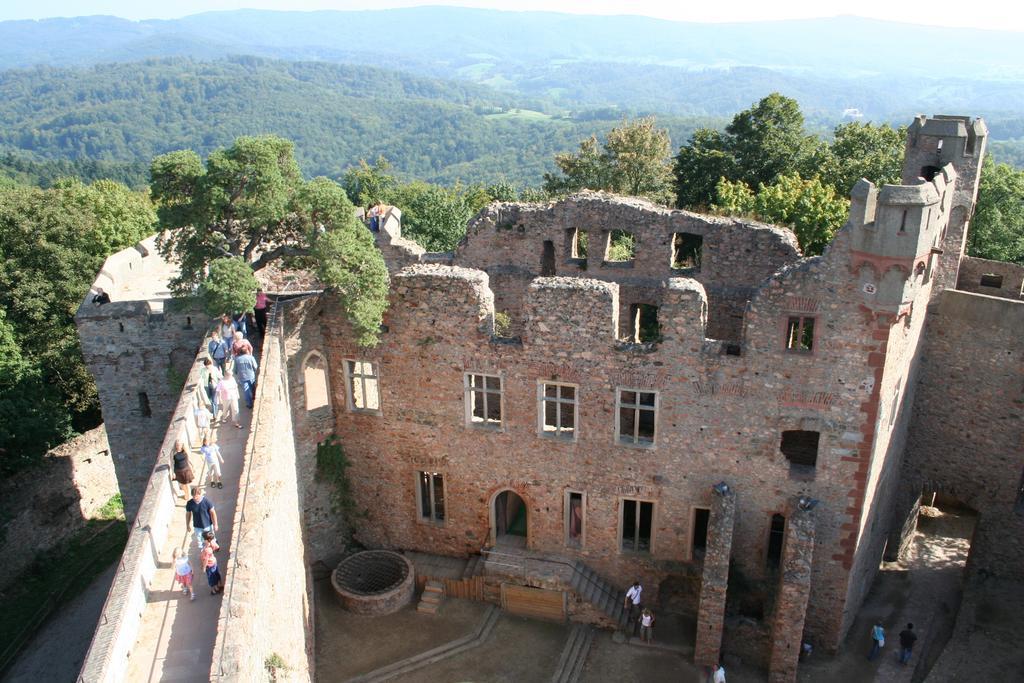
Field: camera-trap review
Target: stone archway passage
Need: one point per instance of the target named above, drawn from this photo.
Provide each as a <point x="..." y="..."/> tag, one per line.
<point x="510" y="518"/>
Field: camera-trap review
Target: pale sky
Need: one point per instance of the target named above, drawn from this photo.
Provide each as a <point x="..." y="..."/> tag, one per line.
<point x="991" y="14"/>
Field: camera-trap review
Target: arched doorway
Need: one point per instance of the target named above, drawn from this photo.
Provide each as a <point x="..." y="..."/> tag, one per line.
<point x="509" y="519"/>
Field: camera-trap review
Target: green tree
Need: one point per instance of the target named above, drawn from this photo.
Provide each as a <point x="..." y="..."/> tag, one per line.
<point x="859" y="150"/>
<point x="759" y="145"/>
<point x="366" y="185"/>
<point x="251" y="203"/>
<point x="433" y="216"/>
<point x="768" y="140"/>
<point x="634" y="160"/>
<point x="997" y="229"/>
<point x="52" y="244"/>
<point x="230" y="286"/>
<point x="699" y="165"/>
<point x="809" y="207"/>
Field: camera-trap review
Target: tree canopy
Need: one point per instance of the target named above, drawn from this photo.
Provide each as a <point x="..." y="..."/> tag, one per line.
<point x="997" y="229"/>
<point x="633" y="160"/>
<point x="250" y="204"/>
<point x="52" y="244"/>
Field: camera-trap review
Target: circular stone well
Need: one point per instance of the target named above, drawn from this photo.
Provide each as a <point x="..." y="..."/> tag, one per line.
<point x="374" y="582"/>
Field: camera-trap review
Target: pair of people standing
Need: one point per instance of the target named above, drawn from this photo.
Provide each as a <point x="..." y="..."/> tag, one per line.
<point x="907" y="640"/>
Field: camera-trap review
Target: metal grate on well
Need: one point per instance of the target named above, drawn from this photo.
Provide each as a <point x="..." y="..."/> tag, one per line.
<point x="371" y="572"/>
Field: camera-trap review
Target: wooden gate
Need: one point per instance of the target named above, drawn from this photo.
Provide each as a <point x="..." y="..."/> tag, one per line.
<point x="533" y="602"/>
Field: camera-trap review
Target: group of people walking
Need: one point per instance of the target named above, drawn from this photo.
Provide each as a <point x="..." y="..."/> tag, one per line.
<point x="227" y="376"/>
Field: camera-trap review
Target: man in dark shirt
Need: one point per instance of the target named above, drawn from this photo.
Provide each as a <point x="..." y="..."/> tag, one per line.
<point x="200" y="516"/>
<point x="907" y="638"/>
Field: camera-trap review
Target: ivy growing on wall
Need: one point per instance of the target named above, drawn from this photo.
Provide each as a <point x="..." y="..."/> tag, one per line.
<point x="332" y="467"/>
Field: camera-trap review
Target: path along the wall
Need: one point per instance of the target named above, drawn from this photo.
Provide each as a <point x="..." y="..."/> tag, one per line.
<point x="140" y="634"/>
<point x="176" y="637"/>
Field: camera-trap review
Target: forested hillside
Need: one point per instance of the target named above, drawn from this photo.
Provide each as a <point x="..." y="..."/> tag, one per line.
<point x="435" y="130"/>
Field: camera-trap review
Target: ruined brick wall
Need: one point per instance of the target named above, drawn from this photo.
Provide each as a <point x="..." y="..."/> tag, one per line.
<point x="966" y="436"/>
<point x="139" y="348"/>
<point x="267" y="607"/>
<point x="53" y="499"/>
<point x="304" y="339"/>
<point x="991" y="278"/>
<point x="737" y="255"/>
<point x="720" y="417"/>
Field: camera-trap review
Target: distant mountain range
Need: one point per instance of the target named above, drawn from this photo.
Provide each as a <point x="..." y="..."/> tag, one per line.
<point x="885" y="70"/>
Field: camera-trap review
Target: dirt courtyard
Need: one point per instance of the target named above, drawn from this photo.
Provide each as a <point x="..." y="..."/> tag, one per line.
<point x="925" y="588"/>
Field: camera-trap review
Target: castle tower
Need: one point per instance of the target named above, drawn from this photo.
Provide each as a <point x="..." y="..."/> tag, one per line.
<point x="931" y="144"/>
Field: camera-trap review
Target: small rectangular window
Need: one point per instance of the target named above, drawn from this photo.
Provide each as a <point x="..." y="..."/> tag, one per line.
<point x="636" y="522"/>
<point x="992" y="280"/>
<point x="801" y="449"/>
<point x="558" y="410"/>
<point x="362" y="387"/>
<point x="483" y="400"/>
<point x="800" y="334"/>
<point x="574" y="509"/>
<point x="776" y="539"/>
<point x="621" y="247"/>
<point x="636" y="416"/>
<point x="687" y="250"/>
<point x="430" y="496"/>
<point x="577" y="240"/>
<point x="699" y="539"/>
<point x="645" y="323"/>
<point x="144" y="409"/>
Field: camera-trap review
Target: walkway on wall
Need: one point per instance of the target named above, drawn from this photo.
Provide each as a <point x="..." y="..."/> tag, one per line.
<point x="176" y="637"/>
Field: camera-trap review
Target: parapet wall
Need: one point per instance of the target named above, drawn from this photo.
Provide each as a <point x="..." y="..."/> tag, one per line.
<point x="118" y="629"/>
<point x="267" y="609"/>
<point x="991" y="278"/>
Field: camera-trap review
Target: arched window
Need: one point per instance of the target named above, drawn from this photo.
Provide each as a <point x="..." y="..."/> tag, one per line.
<point x="314" y="379"/>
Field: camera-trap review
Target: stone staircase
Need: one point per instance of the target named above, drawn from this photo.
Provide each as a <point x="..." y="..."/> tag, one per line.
<point x="600" y="593"/>
<point x="430" y="600"/>
<point x="574" y="654"/>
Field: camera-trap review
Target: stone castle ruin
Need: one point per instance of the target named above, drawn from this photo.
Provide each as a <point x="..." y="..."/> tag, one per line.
<point x="745" y="430"/>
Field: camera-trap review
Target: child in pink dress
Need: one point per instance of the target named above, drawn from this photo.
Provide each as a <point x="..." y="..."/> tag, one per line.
<point x="183" y="573"/>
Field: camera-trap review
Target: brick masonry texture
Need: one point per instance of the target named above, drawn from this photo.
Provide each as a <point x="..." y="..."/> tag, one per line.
<point x="1010" y="278"/>
<point x="715" y="581"/>
<point x="905" y="383"/>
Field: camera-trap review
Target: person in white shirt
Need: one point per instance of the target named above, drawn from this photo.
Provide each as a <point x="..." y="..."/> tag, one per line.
<point x="718" y="675"/>
<point x="632" y="603"/>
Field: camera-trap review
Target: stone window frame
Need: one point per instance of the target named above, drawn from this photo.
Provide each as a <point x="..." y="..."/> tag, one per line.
<point x="431" y="520"/>
<point x="565" y="519"/>
<point x="469" y="401"/>
<point x="618" y="417"/>
<point x="327" y="380"/>
<point x="349" y="394"/>
<point x="802" y="316"/>
<point x="693" y="526"/>
<point x="543" y="400"/>
<point x="654" y="525"/>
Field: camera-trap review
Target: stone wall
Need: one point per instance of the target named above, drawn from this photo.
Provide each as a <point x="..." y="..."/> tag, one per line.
<point x="267" y="608"/>
<point x="737" y="255"/>
<point x="139" y="348"/>
<point x="118" y="628"/>
<point x="304" y="343"/>
<point x="49" y="502"/>
<point x="967" y="434"/>
<point x="1008" y="282"/>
